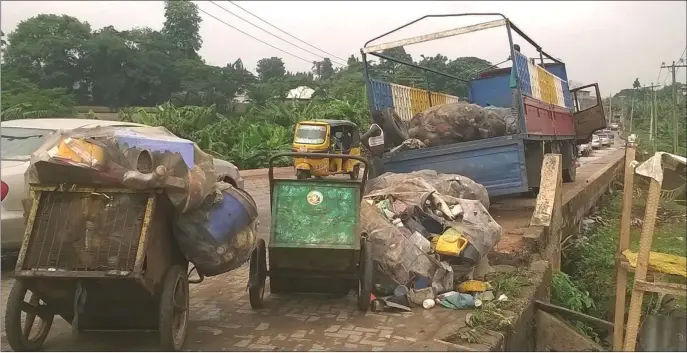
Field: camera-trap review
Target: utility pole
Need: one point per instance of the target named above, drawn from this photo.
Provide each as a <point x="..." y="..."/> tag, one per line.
<point x="673" y="68"/>
<point x="610" y="108"/>
<point x="653" y="122"/>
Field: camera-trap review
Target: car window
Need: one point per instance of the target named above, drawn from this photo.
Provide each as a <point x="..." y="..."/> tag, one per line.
<point x="20" y="143"/>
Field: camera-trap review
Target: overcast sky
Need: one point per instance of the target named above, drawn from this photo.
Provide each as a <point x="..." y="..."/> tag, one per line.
<point x="611" y="43"/>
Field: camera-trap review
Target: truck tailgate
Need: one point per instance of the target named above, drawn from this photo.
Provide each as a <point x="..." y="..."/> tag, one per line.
<point x="497" y="163"/>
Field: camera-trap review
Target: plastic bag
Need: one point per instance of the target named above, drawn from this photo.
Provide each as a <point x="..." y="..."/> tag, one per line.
<point x="220" y="235"/>
<point x="457" y="122"/>
<point x="396" y="255"/>
<point x="134" y="157"/>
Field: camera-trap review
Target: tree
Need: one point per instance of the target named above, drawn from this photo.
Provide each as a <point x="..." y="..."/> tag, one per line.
<point x="270" y="68"/>
<point x="636" y="84"/>
<point x="47" y="50"/>
<point x="323" y="69"/>
<point x="182" y="27"/>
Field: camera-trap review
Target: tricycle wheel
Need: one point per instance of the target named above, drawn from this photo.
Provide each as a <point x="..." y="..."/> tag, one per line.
<point x="355" y="173"/>
<point x="257" y="275"/>
<point x="302" y="174"/>
<point x="174" y="309"/>
<point x="365" y="281"/>
<point x="27" y="334"/>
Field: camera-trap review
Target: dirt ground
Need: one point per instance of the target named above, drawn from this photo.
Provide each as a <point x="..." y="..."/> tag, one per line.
<point x="221" y="318"/>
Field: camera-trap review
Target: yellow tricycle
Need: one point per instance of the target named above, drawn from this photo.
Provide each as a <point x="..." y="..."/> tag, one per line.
<point x="326" y="137"/>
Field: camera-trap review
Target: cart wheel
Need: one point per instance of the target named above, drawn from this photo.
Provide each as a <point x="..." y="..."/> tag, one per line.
<point x="174" y="309"/>
<point x="366" y="269"/>
<point x="355" y="173"/>
<point x="302" y="174"/>
<point x="257" y="275"/>
<point x="27" y="334"/>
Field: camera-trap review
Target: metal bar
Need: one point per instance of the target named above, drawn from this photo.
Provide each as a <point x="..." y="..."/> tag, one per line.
<point x="43" y="187"/>
<point x="435" y="36"/>
<point x="434" y="16"/>
<point x="418" y="66"/>
<point x="555" y="309"/>
<point x="529" y="40"/>
<point x="65" y="274"/>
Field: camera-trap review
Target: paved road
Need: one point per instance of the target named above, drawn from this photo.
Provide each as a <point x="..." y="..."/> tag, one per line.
<point x="222" y="320"/>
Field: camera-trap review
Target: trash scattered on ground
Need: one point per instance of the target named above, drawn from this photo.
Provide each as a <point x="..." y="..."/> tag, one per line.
<point x="455" y="300"/>
<point x="502" y="298"/>
<point x="472" y="286"/>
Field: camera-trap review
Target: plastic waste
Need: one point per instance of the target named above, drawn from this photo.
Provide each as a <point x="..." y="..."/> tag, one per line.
<point x="451" y="243"/>
<point x="418" y="296"/>
<point x="428" y="303"/>
<point x="455" y="300"/>
<point x="472" y="286"/>
<point x="221" y="234"/>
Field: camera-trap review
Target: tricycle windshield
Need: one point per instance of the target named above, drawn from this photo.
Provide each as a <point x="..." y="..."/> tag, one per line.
<point x="310" y="134"/>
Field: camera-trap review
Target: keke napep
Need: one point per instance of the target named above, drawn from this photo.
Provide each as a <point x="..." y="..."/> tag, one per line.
<point x="326" y="136"/>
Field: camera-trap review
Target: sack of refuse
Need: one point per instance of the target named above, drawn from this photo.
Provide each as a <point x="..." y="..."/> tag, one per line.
<point x="454" y="185"/>
<point x="134" y="157"/>
<point x="220" y="235"/>
<point x="455" y="122"/>
<point x="397" y="256"/>
<point x="506" y="114"/>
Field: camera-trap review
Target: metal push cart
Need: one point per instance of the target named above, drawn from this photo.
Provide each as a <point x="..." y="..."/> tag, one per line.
<point x="102" y="259"/>
<point x="315" y="243"/>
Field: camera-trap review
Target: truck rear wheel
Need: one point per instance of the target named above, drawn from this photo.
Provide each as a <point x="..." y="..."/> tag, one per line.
<point x="569" y="174"/>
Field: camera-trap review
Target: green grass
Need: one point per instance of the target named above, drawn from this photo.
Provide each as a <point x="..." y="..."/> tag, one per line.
<point x="590" y="265"/>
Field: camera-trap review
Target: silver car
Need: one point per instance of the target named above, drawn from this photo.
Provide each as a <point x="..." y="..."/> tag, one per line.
<point x="20" y="138"/>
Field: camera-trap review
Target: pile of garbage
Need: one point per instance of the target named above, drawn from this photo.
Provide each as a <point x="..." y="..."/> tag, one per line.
<point x="460" y="122"/>
<point x="215" y="224"/>
<point x="428" y="233"/>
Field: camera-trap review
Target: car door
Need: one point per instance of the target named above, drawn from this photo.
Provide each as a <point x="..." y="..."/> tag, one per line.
<point x="588" y="112"/>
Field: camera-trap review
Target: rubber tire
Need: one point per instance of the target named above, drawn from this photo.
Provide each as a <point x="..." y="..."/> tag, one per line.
<point x="302" y="174"/>
<point x="395" y="131"/>
<point x="570" y="174"/>
<point x="258" y="267"/>
<point x="355" y="173"/>
<point x="366" y="273"/>
<point x="166" y="309"/>
<point x="13" y="325"/>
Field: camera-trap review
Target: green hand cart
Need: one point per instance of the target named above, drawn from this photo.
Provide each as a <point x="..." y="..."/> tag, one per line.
<point x="315" y="243"/>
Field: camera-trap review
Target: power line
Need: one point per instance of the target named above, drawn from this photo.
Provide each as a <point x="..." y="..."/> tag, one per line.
<point x="288" y="34"/>
<point x="264" y="30"/>
<point x="259" y="40"/>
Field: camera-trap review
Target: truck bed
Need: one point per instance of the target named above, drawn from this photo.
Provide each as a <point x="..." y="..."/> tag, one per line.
<point x="497" y="163"/>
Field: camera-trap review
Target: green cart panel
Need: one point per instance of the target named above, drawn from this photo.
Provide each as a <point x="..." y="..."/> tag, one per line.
<point x="315" y="214"/>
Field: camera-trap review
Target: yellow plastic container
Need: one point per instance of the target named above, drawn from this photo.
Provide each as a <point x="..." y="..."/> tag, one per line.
<point x="80" y="151"/>
<point x="451" y="243"/>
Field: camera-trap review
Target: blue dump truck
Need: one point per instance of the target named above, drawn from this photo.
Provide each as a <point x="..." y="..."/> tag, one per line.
<point x="549" y="116"/>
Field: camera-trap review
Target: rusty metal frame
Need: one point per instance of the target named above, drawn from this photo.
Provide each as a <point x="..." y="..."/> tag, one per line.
<point x="36" y="192"/>
<point x="435" y="36"/>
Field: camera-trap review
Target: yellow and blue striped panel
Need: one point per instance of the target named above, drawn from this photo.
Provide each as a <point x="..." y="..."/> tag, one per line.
<point x="406" y="101"/>
<point x="540" y="84"/>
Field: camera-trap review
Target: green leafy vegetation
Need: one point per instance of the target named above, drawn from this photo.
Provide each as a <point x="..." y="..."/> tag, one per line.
<point x="52" y="63"/>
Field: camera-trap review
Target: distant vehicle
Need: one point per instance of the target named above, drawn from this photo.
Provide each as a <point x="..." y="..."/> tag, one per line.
<point x="604" y="140"/>
<point x="596" y="142"/>
<point x="614" y="127"/>
<point x="20" y="138"/>
<point x="584" y="149"/>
